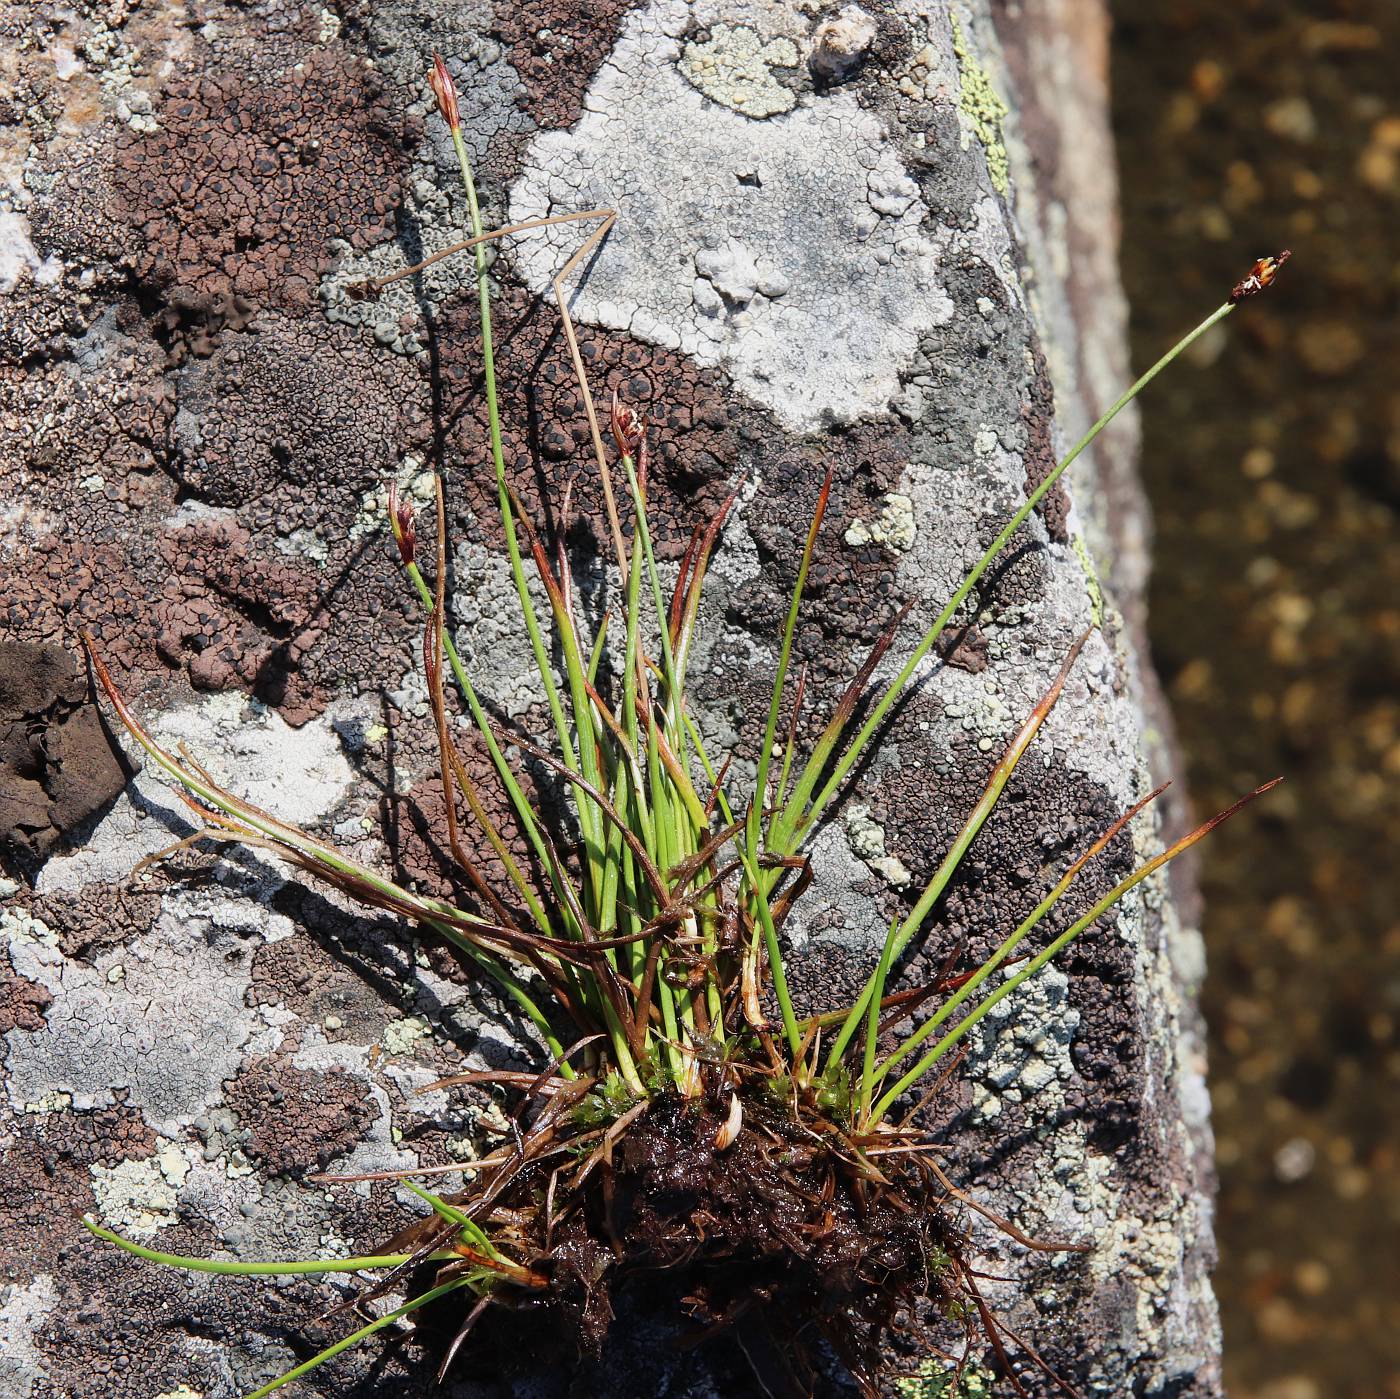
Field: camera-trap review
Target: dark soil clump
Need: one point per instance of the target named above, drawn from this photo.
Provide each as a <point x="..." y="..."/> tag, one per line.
<point x="57" y="765"/>
<point x="776" y="1241"/>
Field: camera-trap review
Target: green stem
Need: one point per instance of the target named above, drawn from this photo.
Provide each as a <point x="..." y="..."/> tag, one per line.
<point x="673" y="678"/>
<point x="794" y="821"/>
<point x="283" y="1268"/>
<point x="523" y="811"/>
<point x="590" y="820"/>
<point x="872" y="1026"/>
<point x="465" y="1223"/>
<point x="770" y="732"/>
<point x="355" y="1337"/>
<point x="759" y="893"/>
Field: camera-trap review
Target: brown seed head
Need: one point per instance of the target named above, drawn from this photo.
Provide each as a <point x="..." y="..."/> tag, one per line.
<point x="628" y="427"/>
<point x="401" y="522"/>
<point x="445" y="90"/>
<point x="1260" y="276"/>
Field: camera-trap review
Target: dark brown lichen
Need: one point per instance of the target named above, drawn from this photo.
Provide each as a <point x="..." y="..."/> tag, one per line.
<point x="57" y="766"/>
<point x="252" y="170"/>
<point x="22" y="1002"/>
<point x="556" y="46"/>
<point x="297" y="1119"/>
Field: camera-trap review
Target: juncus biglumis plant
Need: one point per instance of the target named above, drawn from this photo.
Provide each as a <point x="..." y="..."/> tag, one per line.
<point x="650" y="958"/>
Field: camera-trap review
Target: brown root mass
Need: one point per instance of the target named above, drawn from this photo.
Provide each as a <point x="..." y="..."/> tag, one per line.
<point x="778" y="1241"/>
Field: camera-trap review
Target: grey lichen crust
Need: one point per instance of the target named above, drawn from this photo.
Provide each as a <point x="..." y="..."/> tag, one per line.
<point x="751" y="242"/>
<point x="434" y="208"/>
<point x="819" y="203"/>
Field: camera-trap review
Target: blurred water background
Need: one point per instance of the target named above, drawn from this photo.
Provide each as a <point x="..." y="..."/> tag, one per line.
<point x="1273" y="465"/>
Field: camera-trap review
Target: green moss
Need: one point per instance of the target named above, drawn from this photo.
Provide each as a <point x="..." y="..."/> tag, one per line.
<point x="934" y="1381"/>
<point x="981" y="104"/>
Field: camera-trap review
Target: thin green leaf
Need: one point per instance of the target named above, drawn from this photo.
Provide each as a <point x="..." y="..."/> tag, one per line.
<point x="872" y="1023"/>
<point x="1010" y="944"/>
<point x="283" y="1268"/>
<point x="807" y="782"/>
<point x="770" y="733"/>
<point x="991" y="793"/>
<point x="364" y="1333"/>
<point x="1036" y="963"/>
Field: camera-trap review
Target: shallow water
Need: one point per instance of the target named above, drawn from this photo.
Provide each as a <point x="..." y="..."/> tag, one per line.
<point x="1273" y="464"/>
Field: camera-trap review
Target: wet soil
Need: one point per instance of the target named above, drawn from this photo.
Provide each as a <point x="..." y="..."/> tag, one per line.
<point x="779" y="1253"/>
<point x="1273" y="464"/>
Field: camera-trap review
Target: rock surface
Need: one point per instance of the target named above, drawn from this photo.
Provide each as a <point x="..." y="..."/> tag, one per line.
<point x="877" y="236"/>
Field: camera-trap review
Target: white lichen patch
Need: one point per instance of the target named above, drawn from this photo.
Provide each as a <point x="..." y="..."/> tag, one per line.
<point x="169" y="1032"/>
<point x="1021" y="1046"/>
<point x="1148" y="1255"/>
<point x="1095" y="729"/>
<point x="130" y="73"/>
<point x="410" y="698"/>
<point x="923" y="76"/>
<point x="18" y="256"/>
<point x="894" y="526"/>
<point x="22" y="929"/>
<point x="734" y="67"/>
<point x="304" y="544"/>
<point x="298" y="774"/>
<point x="23" y="1311"/>
<point x="402" y="1036"/>
<point x="334" y="1246"/>
<point x="840" y="908"/>
<point x="138" y="1198"/>
<point x="867" y="839"/>
<point x="793" y="250"/>
<point x="164" y="1018"/>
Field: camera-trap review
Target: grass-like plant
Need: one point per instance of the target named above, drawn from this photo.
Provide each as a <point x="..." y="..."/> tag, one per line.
<point x="686" y="1118"/>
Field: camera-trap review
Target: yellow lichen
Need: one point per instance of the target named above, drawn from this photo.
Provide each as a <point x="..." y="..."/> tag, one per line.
<point x="983" y="107"/>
